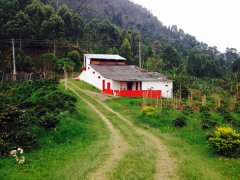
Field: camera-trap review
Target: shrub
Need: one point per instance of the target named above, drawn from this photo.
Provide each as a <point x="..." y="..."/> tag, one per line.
<point x="204" y="109"/>
<point x="208" y="124"/>
<point x="187" y="111"/>
<point x="179" y="122"/>
<point x="16" y="130"/>
<point x="225" y="142"/>
<point x="49" y="121"/>
<point x="226" y="114"/>
<point x="148" y="111"/>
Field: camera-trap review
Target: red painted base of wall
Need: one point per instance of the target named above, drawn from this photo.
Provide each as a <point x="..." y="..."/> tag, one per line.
<point x="137" y="93"/>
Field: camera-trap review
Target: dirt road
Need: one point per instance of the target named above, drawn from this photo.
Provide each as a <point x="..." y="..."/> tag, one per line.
<point x="165" y="164"/>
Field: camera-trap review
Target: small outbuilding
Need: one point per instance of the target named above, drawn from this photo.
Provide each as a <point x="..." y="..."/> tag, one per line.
<point x="110" y="74"/>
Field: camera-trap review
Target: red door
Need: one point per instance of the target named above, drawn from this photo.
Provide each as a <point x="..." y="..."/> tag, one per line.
<point x="103" y="85"/>
<point x="108" y="85"/>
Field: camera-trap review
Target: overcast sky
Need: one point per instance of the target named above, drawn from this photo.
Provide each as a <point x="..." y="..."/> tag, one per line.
<point x="216" y="22"/>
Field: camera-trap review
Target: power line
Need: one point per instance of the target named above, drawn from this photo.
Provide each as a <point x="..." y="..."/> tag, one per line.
<point x="79" y="7"/>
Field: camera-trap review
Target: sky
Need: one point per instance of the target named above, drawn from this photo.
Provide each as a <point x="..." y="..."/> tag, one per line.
<point x="215" y="22"/>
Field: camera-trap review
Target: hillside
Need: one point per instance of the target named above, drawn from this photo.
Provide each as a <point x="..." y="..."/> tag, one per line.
<point x="104" y="26"/>
<point x="78" y="135"/>
<point x="128" y="15"/>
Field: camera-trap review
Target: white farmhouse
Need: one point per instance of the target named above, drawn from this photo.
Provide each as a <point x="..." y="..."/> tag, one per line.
<point x="110" y="74"/>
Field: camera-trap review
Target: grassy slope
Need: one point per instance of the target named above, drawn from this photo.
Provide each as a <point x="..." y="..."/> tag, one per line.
<point x="195" y="160"/>
<point x="139" y="163"/>
<point x="78" y="144"/>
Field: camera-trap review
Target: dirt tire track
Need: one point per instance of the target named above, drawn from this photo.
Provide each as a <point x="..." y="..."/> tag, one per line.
<point x="119" y="145"/>
<point x="165" y="165"/>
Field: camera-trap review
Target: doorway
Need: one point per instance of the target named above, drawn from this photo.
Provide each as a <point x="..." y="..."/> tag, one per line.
<point x="129" y="85"/>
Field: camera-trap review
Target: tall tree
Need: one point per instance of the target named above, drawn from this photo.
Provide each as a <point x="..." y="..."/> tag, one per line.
<point x="39" y="12"/>
<point x="19" y="27"/>
<point x="126" y="50"/>
<point x="74" y="57"/>
<point x="236" y="65"/>
<point x="171" y="57"/>
<point x="47" y="63"/>
<point x="201" y="65"/>
<point x="52" y="28"/>
<point x="73" y="24"/>
<point x="154" y="63"/>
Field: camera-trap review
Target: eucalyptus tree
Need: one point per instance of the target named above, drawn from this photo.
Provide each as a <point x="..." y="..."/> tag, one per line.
<point x="38" y="13"/>
<point x="73" y="24"/>
<point x="74" y="56"/>
<point x="19" y="27"/>
<point x="126" y="50"/>
<point x="171" y="57"/>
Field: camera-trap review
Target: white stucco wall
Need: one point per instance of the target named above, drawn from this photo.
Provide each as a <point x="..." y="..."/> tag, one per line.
<point x="165" y="87"/>
<point x="91" y="76"/>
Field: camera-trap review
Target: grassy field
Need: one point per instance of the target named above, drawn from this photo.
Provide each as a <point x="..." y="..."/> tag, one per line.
<point x="76" y="147"/>
<point x="139" y="162"/>
<point x="189" y="144"/>
<point x="80" y="144"/>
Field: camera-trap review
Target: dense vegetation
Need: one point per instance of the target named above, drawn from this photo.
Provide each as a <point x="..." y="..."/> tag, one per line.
<point x="68" y="140"/>
<point x="29" y="108"/>
<point x="103" y="27"/>
<point x="187" y="138"/>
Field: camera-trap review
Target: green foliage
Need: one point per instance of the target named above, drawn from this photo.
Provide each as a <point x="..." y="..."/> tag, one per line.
<point x="207" y="121"/>
<point x="65" y="65"/>
<point x="74" y="56"/>
<point x="112" y="51"/>
<point x="148" y="111"/>
<point x="236" y="65"/>
<point x="29" y="105"/>
<point x="225" y="113"/>
<point x="179" y="122"/>
<point x="188" y="144"/>
<point x="52" y="28"/>
<point x="225" y="142"/>
<point x="126" y="50"/>
<point x="202" y="65"/>
<point x="171" y="57"/>
<point x="23" y="62"/>
<point x="16" y="130"/>
<point x="20" y="26"/>
<point x="154" y="63"/>
<point x="47" y="62"/>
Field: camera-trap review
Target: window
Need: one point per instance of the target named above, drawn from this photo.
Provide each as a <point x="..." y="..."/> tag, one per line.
<point x="166" y="85"/>
<point x="88" y="67"/>
<point x="93" y="72"/>
<point x="99" y="77"/>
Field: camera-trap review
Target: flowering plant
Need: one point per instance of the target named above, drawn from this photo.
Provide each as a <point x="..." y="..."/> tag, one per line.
<point x="18" y="154"/>
<point x="225" y="142"/>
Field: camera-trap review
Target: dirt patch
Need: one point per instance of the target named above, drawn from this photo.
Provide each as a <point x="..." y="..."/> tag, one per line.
<point x="100" y="96"/>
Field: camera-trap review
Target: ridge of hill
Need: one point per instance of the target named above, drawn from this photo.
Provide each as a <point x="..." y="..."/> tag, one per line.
<point x="128" y="15"/>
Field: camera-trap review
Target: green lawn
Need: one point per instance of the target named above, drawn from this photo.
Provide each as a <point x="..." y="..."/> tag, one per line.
<point x="189" y="144"/>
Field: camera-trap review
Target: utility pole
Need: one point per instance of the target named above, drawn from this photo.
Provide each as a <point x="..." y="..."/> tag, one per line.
<point x="14" y="61"/>
<point x="65" y="76"/>
<point x="54" y="48"/>
<point x="57" y="4"/>
<point x="140" y="54"/>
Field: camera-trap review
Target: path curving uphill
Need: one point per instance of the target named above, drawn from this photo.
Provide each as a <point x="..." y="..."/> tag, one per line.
<point x="165" y="167"/>
<point x="119" y="145"/>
